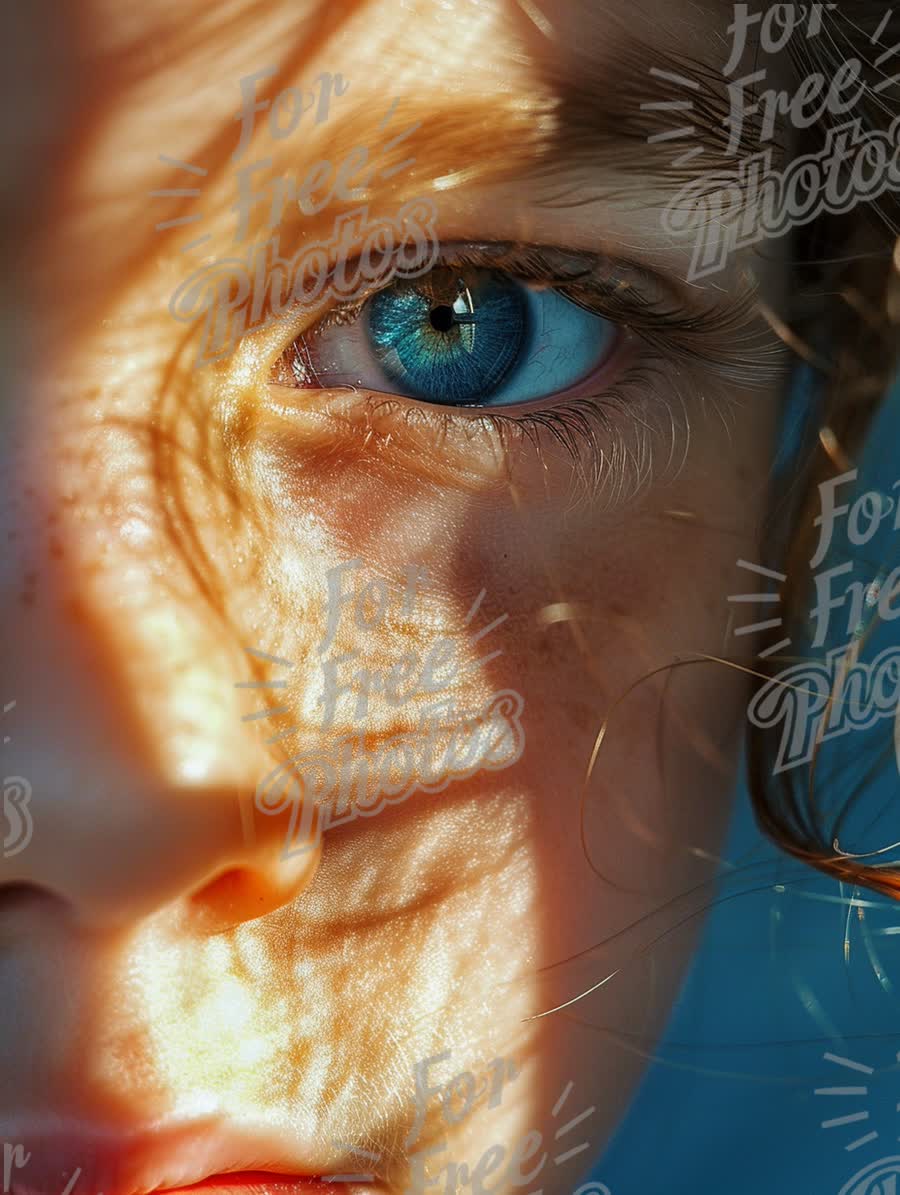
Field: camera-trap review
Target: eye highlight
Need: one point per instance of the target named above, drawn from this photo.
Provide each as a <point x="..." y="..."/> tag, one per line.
<point x="459" y="336"/>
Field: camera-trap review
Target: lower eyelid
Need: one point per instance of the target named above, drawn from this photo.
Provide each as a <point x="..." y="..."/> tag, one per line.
<point x="601" y="452"/>
<point x="395" y="436"/>
<point x="472" y="448"/>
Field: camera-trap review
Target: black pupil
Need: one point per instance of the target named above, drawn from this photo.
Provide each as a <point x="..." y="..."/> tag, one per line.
<point x="441" y="318"/>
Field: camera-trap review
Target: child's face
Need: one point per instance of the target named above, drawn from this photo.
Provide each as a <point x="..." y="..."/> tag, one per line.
<point x="166" y="967"/>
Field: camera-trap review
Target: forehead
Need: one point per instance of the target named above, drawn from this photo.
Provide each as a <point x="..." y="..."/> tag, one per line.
<point x="497" y="90"/>
<point x="498" y="79"/>
<point x="482" y="45"/>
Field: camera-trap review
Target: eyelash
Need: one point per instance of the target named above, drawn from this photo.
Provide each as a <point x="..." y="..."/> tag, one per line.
<point x="663" y="329"/>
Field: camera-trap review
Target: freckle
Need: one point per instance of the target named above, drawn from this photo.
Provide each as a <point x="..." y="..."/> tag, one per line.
<point x="75" y="610"/>
<point x="56" y="549"/>
<point x="28" y="589"/>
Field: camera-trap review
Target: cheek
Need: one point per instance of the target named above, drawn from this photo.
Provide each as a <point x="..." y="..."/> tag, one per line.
<point x="596" y="606"/>
<point x="615" y="606"/>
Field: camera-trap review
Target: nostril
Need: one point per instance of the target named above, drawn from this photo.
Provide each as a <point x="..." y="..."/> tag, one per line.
<point x="236" y="885"/>
<point x="244" y="893"/>
<point x="233" y="897"/>
<point x="19" y="896"/>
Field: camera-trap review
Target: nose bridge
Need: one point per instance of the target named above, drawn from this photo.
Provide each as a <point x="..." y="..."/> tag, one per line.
<point x="127" y="725"/>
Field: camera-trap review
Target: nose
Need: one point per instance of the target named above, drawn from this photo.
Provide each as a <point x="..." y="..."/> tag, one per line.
<point x="130" y="736"/>
<point x="117" y="830"/>
<point x="115" y="858"/>
<point x="129" y="776"/>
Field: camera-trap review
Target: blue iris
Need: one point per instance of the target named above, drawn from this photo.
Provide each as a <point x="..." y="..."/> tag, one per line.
<point x="454" y="342"/>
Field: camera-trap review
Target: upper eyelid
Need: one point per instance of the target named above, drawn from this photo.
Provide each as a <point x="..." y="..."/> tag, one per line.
<point x="569" y="269"/>
<point x="552" y="264"/>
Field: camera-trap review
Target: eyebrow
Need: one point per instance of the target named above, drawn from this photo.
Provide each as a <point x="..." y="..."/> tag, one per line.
<point x="642" y="108"/>
<point x="639" y="109"/>
<point x="648" y="113"/>
<point x="617" y="122"/>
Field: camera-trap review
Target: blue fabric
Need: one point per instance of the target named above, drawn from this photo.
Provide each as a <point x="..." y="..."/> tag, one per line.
<point x="786" y="973"/>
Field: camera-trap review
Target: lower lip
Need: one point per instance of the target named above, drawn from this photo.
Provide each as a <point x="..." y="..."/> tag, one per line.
<point x="259" y="1182"/>
<point x="263" y="1182"/>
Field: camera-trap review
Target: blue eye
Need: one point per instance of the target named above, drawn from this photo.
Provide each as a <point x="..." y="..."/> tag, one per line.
<point x="460" y="337"/>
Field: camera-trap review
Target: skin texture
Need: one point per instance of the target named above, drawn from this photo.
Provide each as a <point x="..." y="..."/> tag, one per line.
<point x="162" y="963"/>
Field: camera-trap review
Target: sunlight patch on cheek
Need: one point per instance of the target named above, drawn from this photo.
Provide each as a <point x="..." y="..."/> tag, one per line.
<point x="303" y="1023"/>
<point x="212" y="1035"/>
<point x="199" y="713"/>
<point x="135" y="532"/>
